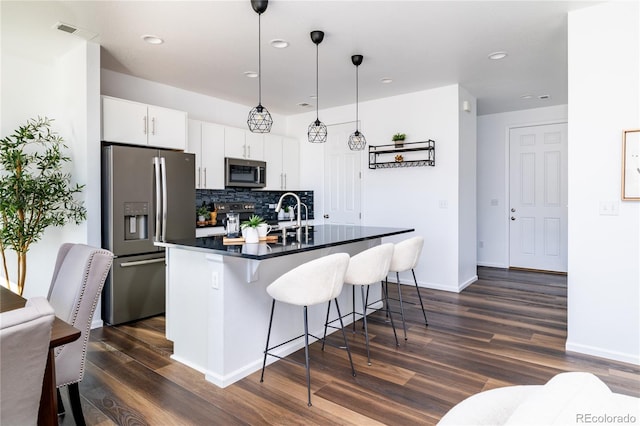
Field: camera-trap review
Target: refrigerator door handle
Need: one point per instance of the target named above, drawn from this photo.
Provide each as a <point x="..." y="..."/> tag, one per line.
<point x="156" y="170"/>
<point x="141" y="262"/>
<point x="163" y="168"/>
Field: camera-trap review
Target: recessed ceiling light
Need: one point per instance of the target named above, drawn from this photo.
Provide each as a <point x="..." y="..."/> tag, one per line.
<point x="250" y="74"/>
<point x="497" y="56"/>
<point x="279" y="43"/>
<point x="304" y="104"/>
<point x="526" y="96"/>
<point x="151" y="39"/>
<point x="544" y="97"/>
<point x="386" y="80"/>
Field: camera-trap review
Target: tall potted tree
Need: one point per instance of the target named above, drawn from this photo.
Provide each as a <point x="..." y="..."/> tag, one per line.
<point x="35" y="191"/>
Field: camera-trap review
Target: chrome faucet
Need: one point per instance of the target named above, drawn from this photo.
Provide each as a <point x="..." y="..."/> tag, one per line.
<point x="298" y="220"/>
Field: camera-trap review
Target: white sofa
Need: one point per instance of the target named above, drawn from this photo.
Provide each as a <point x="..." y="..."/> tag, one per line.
<point x="566" y="399"/>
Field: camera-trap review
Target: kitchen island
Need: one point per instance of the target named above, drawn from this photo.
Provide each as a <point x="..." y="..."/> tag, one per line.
<point x="217" y="307"/>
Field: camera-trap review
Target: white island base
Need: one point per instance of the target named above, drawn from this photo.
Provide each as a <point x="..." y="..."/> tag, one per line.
<point x="217" y="311"/>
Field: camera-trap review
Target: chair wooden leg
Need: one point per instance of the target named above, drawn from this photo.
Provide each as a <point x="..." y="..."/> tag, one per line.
<point x="60" y="403"/>
<point x="76" y="406"/>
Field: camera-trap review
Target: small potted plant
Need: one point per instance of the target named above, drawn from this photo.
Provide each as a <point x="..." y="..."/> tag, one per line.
<point x="250" y="229"/>
<point x="398" y="139"/>
<point x="202" y="213"/>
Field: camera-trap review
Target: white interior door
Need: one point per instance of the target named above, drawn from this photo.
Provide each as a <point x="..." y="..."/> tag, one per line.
<point x="538" y="197"/>
<point x="342" y="176"/>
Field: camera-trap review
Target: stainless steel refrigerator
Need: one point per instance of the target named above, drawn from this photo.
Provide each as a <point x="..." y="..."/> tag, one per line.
<point x="148" y="195"/>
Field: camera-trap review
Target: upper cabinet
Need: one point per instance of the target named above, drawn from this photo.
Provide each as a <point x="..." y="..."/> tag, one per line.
<point x="140" y="124"/>
<point x="206" y="141"/>
<point x="240" y="143"/>
<point x="282" y="155"/>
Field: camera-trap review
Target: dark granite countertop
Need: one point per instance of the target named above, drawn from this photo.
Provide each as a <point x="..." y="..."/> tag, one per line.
<point x="321" y="236"/>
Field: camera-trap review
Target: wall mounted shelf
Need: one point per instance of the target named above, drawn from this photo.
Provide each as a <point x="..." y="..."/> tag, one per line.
<point x="410" y="154"/>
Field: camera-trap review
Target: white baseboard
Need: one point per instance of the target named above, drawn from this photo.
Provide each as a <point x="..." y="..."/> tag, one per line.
<point x="493" y="265"/>
<point x="96" y="323"/>
<point x="438" y="286"/>
<point x="603" y="353"/>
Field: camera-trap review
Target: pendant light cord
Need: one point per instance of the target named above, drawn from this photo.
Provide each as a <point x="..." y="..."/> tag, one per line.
<point x="356" y="98"/>
<point x="259" y="62"/>
<point x="317" y="94"/>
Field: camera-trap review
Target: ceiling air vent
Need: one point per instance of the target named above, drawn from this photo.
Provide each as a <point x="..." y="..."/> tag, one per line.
<point x="78" y="32"/>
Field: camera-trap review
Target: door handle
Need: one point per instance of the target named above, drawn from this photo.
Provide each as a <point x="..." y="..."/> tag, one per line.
<point x="326" y="216"/>
<point x="513" y="218"/>
<point x="513" y="210"/>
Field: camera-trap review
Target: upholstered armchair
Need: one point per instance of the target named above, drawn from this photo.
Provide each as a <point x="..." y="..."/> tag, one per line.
<point x="78" y="277"/>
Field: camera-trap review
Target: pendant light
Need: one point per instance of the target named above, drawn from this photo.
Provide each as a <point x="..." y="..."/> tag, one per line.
<point x="317" y="132"/>
<point x="259" y="120"/>
<point x="357" y="140"/>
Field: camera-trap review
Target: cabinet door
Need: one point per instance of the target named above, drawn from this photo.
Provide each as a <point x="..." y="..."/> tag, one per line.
<point x="212" y="156"/>
<point x="273" y="157"/>
<point x="255" y="145"/>
<point x="124" y="121"/>
<point x="167" y="128"/>
<point x="194" y="137"/>
<point x="291" y="163"/>
<point x="234" y="143"/>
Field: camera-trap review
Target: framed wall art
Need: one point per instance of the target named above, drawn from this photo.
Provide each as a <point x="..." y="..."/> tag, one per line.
<point x="631" y="164"/>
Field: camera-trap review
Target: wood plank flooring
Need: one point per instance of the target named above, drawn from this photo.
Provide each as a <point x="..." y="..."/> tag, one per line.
<point x="508" y="328"/>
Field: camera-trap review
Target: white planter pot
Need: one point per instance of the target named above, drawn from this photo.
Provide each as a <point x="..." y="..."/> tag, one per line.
<point x="251" y="235"/>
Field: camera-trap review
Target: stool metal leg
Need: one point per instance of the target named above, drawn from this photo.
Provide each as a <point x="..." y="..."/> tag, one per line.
<point x="326" y="323"/>
<point x="364" y="319"/>
<point x="404" y="324"/>
<point x="266" y="348"/>
<point x="306" y="355"/>
<point x="386" y="301"/>
<point x="419" y="297"/>
<point x="344" y="336"/>
<point x="353" y="306"/>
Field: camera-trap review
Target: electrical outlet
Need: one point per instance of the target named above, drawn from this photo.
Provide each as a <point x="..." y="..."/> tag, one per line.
<point x="609" y="208"/>
<point x="444" y="204"/>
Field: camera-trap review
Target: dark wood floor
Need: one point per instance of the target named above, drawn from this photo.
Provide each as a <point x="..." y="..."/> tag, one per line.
<point x="508" y="328"/>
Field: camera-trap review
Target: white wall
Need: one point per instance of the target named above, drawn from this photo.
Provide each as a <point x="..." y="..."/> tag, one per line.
<point x="197" y="106"/>
<point x="493" y="177"/>
<point x="411" y="197"/>
<point x="604" y="251"/>
<point x="64" y="89"/>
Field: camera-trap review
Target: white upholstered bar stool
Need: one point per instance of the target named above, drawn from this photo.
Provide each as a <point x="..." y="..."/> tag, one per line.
<point x="405" y="257"/>
<point x="317" y="281"/>
<point x="368" y="267"/>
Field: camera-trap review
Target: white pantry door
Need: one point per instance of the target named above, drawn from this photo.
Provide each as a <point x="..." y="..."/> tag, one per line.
<point x="342" y="176"/>
<point x="538" y="197"/>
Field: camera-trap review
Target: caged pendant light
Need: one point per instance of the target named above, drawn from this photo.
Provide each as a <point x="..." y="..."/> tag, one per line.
<point x="357" y="140"/>
<point x="259" y="120"/>
<point x="317" y="132"/>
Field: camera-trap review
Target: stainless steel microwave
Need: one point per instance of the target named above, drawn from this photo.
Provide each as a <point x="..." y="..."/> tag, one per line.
<point x="244" y="173"/>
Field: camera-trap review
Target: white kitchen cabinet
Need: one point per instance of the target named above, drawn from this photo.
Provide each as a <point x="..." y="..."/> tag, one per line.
<point x="140" y="124"/>
<point x="240" y="143"/>
<point x="282" y="155"/>
<point x="206" y="141"/>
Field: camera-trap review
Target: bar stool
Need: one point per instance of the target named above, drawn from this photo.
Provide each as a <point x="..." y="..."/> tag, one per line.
<point x="311" y="283"/>
<point x="405" y="257"/>
<point x="365" y="268"/>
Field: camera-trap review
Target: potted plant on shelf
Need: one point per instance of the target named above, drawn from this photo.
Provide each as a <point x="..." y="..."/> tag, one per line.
<point x="202" y="213"/>
<point x="35" y="191"/>
<point x="250" y="229"/>
<point x="398" y="139"/>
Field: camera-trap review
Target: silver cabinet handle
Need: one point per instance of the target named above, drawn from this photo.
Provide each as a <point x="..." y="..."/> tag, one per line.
<point x="244" y="151"/>
<point x="144" y="124"/>
<point x="205" y="178"/>
<point x="165" y="204"/>
<point x="281" y="182"/>
<point x="153" y="126"/>
<point x="141" y="262"/>
<point x="249" y="151"/>
<point x="285" y="181"/>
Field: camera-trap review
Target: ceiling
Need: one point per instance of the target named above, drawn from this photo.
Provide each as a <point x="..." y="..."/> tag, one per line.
<point x="418" y="44"/>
